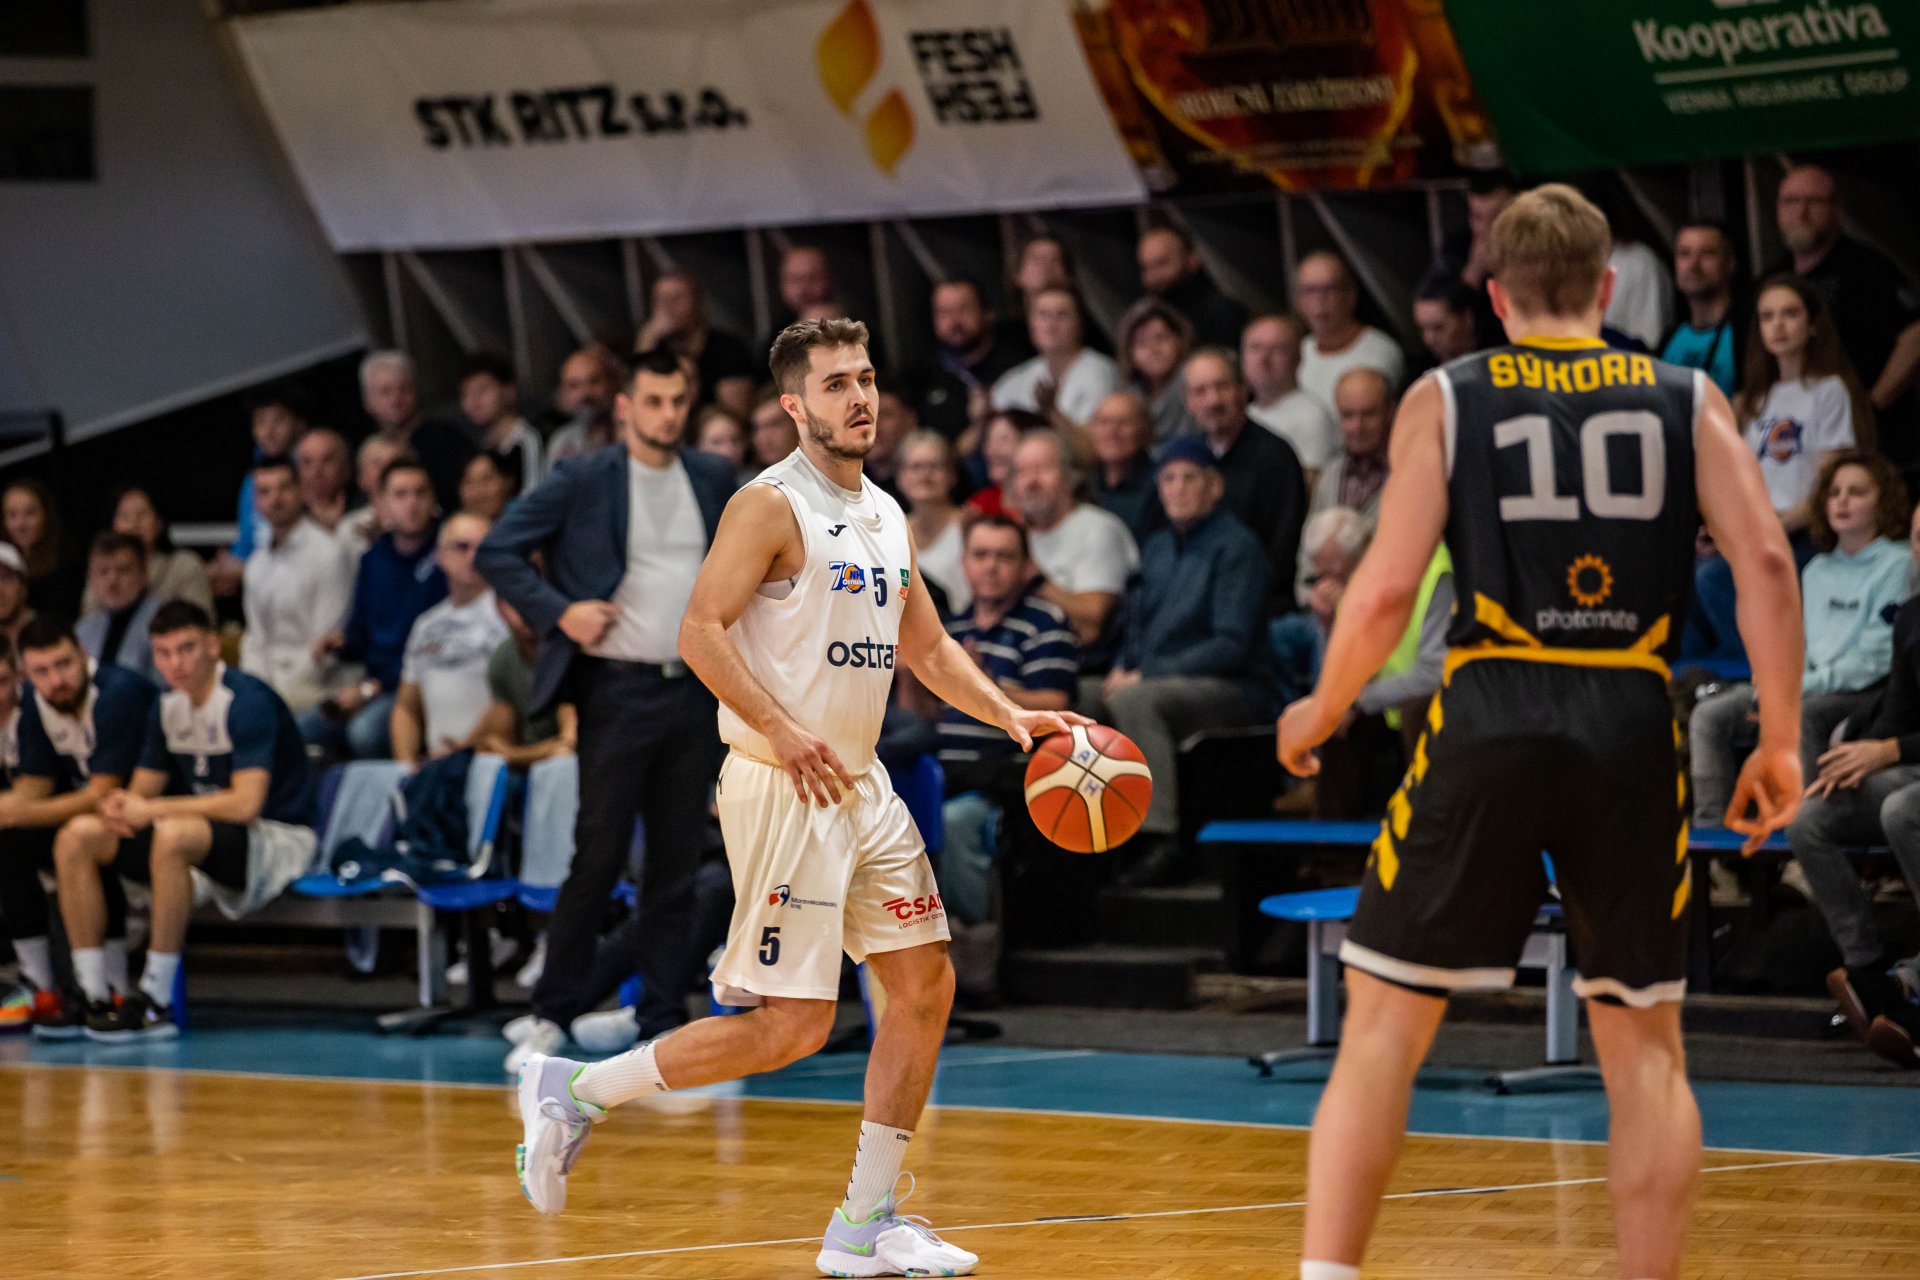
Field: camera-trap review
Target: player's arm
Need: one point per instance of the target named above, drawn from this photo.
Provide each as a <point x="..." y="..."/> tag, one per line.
<point x="956" y="679"/>
<point x="758" y="540"/>
<point x="1733" y="501"/>
<point x="239" y="803"/>
<point x="1380" y="598"/>
<point x="31" y="802"/>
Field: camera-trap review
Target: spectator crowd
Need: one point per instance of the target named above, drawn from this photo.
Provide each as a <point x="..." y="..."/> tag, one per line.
<point x="1154" y="525"/>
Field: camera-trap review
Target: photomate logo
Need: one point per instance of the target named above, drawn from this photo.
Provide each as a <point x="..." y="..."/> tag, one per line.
<point x="848" y="56"/>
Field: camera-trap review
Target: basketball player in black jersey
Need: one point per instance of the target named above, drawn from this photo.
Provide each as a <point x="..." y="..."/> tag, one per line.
<point x="1568" y="481"/>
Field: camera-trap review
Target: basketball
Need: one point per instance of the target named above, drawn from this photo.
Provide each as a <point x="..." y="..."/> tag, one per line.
<point x="1088" y="789"/>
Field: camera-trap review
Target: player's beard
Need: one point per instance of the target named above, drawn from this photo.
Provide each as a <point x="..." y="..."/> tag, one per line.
<point x="821" y="433"/>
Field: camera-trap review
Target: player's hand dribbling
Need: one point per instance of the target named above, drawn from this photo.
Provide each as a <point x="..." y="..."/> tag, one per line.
<point x="1770" y="784"/>
<point x="1024" y="726"/>
<point x="817" y="773"/>
<point x="1303" y="726"/>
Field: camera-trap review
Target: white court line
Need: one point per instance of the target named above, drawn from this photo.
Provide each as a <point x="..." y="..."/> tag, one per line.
<point x="714" y="1092"/>
<point x="1110" y="1217"/>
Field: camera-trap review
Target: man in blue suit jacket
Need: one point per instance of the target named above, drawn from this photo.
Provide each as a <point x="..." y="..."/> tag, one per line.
<point x="621" y="532"/>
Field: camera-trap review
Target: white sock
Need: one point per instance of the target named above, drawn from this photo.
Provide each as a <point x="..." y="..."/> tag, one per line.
<point x="619" y="1079"/>
<point x="157" y="981"/>
<point x="90" y="971"/>
<point x="1328" y="1271"/>
<point x="36" y="961"/>
<point x="876" y="1167"/>
<point x="115" y="951"/>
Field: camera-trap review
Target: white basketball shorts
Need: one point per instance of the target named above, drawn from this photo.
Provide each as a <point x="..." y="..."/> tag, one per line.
<point x="810" y="883"/>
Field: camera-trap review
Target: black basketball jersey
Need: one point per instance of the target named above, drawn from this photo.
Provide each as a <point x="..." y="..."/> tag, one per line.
<point x="1570" y="489"/>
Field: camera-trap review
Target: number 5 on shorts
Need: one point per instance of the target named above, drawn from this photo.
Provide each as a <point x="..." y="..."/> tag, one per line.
<point x="770" y="945"/>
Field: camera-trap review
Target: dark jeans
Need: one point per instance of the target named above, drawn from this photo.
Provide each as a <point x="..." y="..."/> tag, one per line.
<point x="649" y="749"/>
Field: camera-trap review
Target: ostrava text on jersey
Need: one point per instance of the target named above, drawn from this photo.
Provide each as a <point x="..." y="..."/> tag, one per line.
<point x="1571" y="498"/>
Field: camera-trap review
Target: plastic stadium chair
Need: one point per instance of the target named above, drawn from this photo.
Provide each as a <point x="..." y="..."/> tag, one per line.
<point x="546" y="832"/>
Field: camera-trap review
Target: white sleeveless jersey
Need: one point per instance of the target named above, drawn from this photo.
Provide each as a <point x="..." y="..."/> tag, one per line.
<point x="823" y="642"/>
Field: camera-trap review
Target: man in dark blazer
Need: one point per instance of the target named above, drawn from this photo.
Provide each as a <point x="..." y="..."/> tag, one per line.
<point x="621" y="532"/>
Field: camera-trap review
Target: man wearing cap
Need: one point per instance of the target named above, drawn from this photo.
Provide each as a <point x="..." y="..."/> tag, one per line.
<point x="14" y="613"/>
<point x="1192" y="652"/>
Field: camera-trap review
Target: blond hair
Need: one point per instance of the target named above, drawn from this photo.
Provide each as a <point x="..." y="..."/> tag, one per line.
<point x="1549" y="251"/>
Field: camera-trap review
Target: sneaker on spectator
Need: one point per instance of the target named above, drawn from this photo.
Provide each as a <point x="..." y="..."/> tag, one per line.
<point x="60" y="1015"/>
<point x="1794" y="878"/>
<point x="1862" y="993"/>
<point x="135" y="1017"/>
<point x="16" y="1008"/>
<point x="516" y="1030"/>
<point x="529" y="976"/>
<point x="556" y="1124"/>
<point x="542" y="1038"/>
<point x="610" y="1032"/>
<point x="1896" y="1032"/>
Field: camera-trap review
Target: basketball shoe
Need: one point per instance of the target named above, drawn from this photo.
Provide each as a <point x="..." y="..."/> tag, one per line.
<point x="556" y="1124"/>
<point x="62" y="1015"/>
<point x="889" y="1243"/>
<point x="135" y="1017"/>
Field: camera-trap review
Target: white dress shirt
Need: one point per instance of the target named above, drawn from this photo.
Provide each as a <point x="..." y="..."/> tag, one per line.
<point x="298" y="587"/>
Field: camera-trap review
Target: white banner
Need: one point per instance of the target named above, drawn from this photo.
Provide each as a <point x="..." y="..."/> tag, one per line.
<point x="470" y="122"/>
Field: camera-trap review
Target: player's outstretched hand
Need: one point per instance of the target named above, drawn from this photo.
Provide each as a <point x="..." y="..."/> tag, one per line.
<point x="1304" y="726"/>
<point x="1770" y="785"/>
<point x="818" y="776"/>
<point x="1025" y="726"/>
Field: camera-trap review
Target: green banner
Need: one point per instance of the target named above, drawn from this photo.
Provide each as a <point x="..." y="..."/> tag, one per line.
<point x="1589" y="84"/>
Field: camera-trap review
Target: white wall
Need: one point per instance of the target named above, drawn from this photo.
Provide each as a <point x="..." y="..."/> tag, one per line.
<point x="189" y="268"/>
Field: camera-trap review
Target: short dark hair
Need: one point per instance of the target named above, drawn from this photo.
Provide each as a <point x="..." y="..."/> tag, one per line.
<point x="277" y="398"/>
<point x="1484" y="182"/>
<point x="46" y="631"/>
<point x="109" y="543"/>
<point x="179" y="615"/>
<point x="1445" y="287"/>
<point x="492" y="364"/>
<point x="661" y="361"/>
<point x="994" y="521"/>
<point x="1708" y="224"/>
<point x="278" y="462"/>
<point x="961" y="280"/>
<point x="405" y="462"/>
<point x="792" y="350"/>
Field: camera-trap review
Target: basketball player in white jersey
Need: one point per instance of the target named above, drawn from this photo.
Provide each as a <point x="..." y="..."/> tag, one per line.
<point x="807" y="599"/>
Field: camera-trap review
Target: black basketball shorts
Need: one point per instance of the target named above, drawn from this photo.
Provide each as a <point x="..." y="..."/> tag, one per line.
<point x="1528" y="770"/>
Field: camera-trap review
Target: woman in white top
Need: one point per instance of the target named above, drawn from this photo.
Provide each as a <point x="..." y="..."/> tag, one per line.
<point x="172" y="574"/>
<point x="1799" y="401"/>
<point x="926" y="477"/>
<point x="1155" y="341"/>
<point x="1067" y="381"/>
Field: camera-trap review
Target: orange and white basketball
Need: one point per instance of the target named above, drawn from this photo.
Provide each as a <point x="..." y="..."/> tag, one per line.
<point x="1088" y="789"/>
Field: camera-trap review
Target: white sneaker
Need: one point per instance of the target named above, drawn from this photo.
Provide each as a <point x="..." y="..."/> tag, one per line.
<point x="889" y="1243"/>
<point x="541" y="1038"/>
<point x="503" y="949"/>
<point x="529" y="976"/>
<point x="516" y="1030"/>
<point x="556" y="1125"/>
<point x="610" y="1032"/>
<point x="1794" y="877"/>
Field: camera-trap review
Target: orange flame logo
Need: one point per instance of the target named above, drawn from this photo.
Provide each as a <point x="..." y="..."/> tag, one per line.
<point x="848" y="55"/>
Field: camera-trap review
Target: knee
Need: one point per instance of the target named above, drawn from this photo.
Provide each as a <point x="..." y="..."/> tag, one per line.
<point x="169" y="844"/>
<point x="1134" y="703"/>
<point x="800" y="1028"/>
<point x="925" y="985"/>
<point x="83" y="841"/>
<point x="1900" y="813"/>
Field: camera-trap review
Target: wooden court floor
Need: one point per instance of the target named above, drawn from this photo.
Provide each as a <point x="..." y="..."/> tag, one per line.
<point x="168" y="1175"/>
